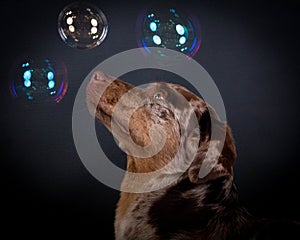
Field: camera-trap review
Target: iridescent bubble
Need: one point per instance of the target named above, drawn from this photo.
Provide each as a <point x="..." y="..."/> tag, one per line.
<point x="82" y="25"/>
<point x="39" y="80"/>
<point x="168" y="28"/>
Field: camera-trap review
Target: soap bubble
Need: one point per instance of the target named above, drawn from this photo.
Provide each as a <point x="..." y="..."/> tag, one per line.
<point x="82" y="25"/>
<point x="39" y="80"/>
<point x="168" y="28"/>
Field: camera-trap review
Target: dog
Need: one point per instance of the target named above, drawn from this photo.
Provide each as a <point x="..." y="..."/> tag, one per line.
<point x="189" y="206"/>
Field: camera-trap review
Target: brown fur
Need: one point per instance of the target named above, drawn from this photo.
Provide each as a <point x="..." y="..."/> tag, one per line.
<point x="191" y="207"/>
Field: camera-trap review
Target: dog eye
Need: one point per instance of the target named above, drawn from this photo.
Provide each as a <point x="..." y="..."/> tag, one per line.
<point x="158" y="95"/>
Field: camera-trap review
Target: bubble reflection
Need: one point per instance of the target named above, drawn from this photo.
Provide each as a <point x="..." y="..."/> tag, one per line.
<point x="168" y="28"/>
<point x="82" y="25"/>
<point x="39" y="80"/>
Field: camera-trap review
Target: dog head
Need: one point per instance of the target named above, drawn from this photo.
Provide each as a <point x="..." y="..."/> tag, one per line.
<point x="153" y="123"/>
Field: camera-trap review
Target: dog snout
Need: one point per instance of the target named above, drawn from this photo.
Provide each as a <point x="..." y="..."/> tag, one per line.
<point x="99" y="76"/>
<point x="99" y="81"/>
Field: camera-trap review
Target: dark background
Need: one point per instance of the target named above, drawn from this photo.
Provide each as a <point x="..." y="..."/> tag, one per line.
<point x="250" y="48"/>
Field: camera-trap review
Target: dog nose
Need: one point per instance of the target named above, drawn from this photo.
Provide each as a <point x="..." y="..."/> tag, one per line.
<point x="99" y="76"/>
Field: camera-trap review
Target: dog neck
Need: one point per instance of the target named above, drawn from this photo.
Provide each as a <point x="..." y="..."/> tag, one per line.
<point x="190" y="207"/>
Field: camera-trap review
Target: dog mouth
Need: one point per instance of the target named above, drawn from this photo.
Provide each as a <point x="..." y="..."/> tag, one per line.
<point x="103" y="94"/>
<point x="116" y="127"/>
<point x="123" y="127"/>
<point x="112" y="122"/>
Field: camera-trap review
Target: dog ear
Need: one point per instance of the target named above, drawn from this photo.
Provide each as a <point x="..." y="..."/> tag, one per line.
<point x="212" y="159"/>
<point x="215" y="155"/>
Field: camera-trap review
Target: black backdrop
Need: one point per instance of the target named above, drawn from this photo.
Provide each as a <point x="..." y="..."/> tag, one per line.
<point x="250" y="48"/>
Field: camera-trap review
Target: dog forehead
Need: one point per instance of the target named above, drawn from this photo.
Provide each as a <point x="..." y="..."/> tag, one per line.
<point x="166" y="89"/>
<point x="155" y="87"/>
